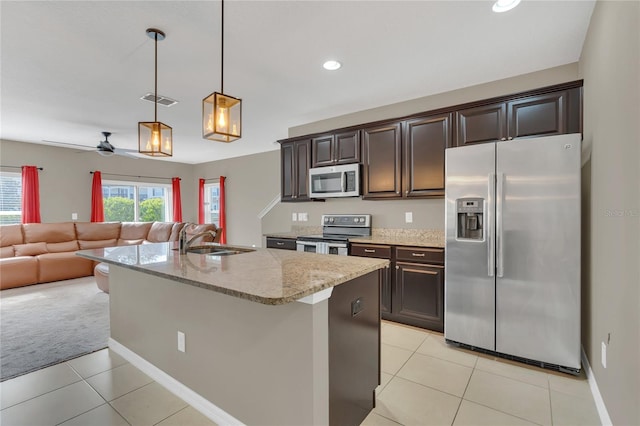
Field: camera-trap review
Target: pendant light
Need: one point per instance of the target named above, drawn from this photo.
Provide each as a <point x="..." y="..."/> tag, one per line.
<point x="221" y="114"/>
<point x="155" y="138"/>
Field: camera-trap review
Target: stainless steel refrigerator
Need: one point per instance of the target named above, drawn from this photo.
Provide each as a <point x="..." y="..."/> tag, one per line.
<point x="512" y="251"/>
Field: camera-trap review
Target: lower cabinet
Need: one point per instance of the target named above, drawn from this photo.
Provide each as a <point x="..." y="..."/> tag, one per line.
<point x="412" y="289"/>
<point x="281" y="243"/>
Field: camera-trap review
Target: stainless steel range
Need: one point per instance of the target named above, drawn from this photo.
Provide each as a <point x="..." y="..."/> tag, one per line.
<point x="336" y="230"/>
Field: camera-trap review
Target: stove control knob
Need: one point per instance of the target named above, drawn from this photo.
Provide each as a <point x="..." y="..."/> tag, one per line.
<point x="331" y="219"/>
<point x="356" y="220"/>
<point x="326" y="219"/>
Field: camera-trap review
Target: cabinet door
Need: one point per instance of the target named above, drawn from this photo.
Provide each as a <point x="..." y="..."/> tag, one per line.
<point x="385" y="292"/>
<point x="347" y="147"/>
<point x="323" y="149"/>
<point x="486" y="123"/>
<point x="287" y="171"/>
<point x="380" y="252"/>
<point x="543" y="115"/>
<point x="382" y="161"/>
<point x="418" y="297"/>
<point x="302" y="163"/>
<point x="424" y="142"/>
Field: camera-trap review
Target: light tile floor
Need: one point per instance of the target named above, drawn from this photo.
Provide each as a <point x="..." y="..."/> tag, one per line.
<point x="424" y="382"/>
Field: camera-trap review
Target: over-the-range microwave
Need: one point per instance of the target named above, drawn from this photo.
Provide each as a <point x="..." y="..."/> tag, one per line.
<point x="335" y="181"/>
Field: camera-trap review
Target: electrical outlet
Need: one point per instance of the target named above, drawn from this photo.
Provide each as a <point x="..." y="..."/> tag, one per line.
<point x="181" y="342"/>
<point x="294" y="217"/>
<point x="74" y="216"/>
<point x="604" y="355"/>
<point x="408" y="217"/>
<point x="303" y="217"/>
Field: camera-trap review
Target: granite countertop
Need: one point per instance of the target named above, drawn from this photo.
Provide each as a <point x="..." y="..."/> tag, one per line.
<point x="268" y="276"/>
<point x="397" y="237"/>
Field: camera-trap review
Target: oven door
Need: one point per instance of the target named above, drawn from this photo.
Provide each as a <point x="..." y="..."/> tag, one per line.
<point x="340" y="249"/>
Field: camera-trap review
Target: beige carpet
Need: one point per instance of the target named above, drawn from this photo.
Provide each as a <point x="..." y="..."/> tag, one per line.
<point x="45" y="324"/>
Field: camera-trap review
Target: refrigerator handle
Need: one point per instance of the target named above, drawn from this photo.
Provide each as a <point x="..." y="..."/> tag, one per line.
<point x="491" y="246"/>
<point x="499" y="227"/>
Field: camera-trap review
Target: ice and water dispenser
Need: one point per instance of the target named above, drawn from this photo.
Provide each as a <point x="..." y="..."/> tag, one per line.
<point x="470" y="218"/>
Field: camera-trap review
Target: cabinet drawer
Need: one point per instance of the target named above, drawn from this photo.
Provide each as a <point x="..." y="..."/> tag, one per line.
<point x="371" y="250"/>
<point x="420" y="255"/>
<point x="281" y="243"/>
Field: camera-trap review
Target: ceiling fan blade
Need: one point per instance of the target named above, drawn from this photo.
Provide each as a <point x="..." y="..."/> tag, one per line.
<point x="83" y="147"/>
<point x="125" y="152"/>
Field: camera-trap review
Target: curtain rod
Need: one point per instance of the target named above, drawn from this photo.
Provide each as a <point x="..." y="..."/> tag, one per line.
<point x="133" y="176"/>
<point x="19" y="167"/>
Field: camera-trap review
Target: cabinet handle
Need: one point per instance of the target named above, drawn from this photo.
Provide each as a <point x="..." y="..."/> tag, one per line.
<point x="417" y="254"/>
<point x="279" y="243"/>
<point x="369" y="251"/>
<point x="397" y="267"/>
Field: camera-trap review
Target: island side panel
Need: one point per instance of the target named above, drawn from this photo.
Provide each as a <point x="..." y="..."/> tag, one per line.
<point x="262" y="364"/>
<point x="354" y="349"/>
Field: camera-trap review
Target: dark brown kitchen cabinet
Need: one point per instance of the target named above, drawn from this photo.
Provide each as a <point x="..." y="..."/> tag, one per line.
<point x="545" y="114"/>
<point x="412" y="289"/>
<point x="418" y="287"/>
<point x="380" y="252"/>
<point x="382" y="161"/>
<point x="424" y="142"/>
<point x="295" y="162"/>
<point x="281" y="243"/>
<point x="339" y="148"/>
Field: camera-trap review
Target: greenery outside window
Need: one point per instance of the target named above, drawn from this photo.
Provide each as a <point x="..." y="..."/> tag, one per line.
<point x="10" y="198"/>
<point x="136" y="201"/>
<point x="212" y="203"/>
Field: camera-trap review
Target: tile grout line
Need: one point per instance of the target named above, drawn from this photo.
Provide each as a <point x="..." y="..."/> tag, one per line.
<point x="465" y="391"/>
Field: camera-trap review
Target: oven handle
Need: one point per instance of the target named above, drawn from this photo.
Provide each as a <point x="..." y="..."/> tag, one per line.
<point x="344" y="182"/>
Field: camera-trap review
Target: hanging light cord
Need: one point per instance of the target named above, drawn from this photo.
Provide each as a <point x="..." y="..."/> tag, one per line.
<point x="155" y="93"/>
<point x="222" y="48"/>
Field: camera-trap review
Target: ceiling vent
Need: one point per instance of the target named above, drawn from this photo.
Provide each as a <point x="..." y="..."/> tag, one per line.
<point x="162" y="100"/>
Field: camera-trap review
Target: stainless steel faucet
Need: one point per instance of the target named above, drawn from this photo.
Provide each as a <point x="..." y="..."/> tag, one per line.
<point x="183" y="244"/>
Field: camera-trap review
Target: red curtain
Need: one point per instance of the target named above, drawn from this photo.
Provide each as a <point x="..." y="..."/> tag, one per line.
<point x="97" y="206"/>
<point x="30" y="195"/>
<point x="177" y="200"/>
<point x="201" y="201"/>
<point x="223" y="216"/>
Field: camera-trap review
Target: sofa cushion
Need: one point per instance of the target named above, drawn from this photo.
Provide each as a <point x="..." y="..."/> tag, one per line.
<point x="6" y="252"/>
<point x="48" y="232"/>
<point x="92" y="244"/>
<point x="135" y="230"/>
<point x="175" y="231"/>
<point x="18" y="271"/>
<point x="31" y="249"/>
<point x="160" y="232"/>
<point x="61" y="247"/>
<point x="11" y="235"/>
<point x="62" y="266"/>
<point x="97" y="231"/>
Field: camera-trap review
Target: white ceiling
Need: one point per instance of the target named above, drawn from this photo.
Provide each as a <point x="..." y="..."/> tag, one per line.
<point x="72" y="69"/>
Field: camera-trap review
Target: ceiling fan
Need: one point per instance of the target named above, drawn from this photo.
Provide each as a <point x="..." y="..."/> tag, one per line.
<point x="104" y="148"/>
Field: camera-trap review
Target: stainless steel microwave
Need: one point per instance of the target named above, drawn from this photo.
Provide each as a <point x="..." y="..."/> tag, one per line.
<point x="334" y="181"/>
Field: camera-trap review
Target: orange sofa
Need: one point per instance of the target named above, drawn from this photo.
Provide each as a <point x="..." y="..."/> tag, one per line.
<point x="42" y="252"/>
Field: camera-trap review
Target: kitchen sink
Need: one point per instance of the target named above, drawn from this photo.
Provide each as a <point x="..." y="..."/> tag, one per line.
<point x="218" y="250"/>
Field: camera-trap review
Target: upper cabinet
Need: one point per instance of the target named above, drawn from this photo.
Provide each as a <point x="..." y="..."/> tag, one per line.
<point x="538" y="115"/>
<point x="295" y="160"/>
<point x="424" y="142"/>
<point x="382" y="161"/>
<point x="404" y="157"/>
<point x="338" y="148"/>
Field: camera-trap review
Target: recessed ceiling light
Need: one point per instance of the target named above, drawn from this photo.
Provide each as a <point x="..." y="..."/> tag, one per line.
<point x="504" y="5"/>
<point x="331" y="65"/>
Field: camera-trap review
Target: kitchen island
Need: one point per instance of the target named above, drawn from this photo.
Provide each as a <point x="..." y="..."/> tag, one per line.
<point x="270" y="336"/>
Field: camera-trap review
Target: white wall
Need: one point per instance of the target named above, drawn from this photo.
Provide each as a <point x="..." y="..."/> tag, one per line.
<point x="611" y="221"/>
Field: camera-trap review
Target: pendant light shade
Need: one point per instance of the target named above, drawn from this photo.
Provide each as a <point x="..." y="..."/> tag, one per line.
<point x="221" y="114"/>
<point x="155" y="138"/>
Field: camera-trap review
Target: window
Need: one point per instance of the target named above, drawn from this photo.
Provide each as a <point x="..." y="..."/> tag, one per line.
<point x="10" y="198"/>
<point x="212" y="203"/>
<point x="136" y="201"/>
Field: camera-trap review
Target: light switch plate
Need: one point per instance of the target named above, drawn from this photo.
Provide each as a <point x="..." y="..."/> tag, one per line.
<point x="604" y="355"/>
<point x="408" y="217"/>
<point x="294" y="217"/>
<point x="74" y="216"/>
<point x="181" y="342"/>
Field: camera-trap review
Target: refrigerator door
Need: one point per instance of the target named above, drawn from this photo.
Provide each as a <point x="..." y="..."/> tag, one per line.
<point x="469" y="262"/>
<point x="538" y="249"/>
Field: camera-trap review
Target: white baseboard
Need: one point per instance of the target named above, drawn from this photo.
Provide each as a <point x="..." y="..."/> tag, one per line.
<point x="602" y="409"/>
<point x="206" y="407"/>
